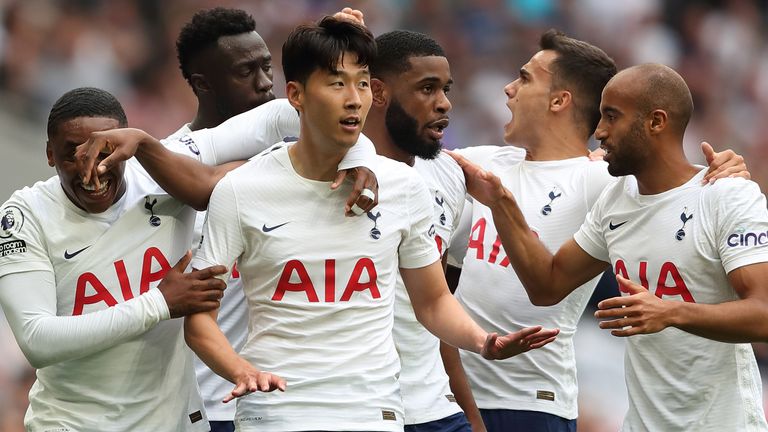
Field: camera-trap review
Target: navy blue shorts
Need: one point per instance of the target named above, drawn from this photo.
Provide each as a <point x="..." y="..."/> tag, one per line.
<point x="454" y="423"/>
<point x="501" y="420"/>
<point x="222" y="426"/>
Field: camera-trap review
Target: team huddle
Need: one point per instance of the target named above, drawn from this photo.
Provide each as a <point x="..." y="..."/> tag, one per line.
<point x="303" y="242"/>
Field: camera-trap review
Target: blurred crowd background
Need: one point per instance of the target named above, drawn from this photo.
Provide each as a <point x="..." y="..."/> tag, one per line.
<point x="127" y="47"/>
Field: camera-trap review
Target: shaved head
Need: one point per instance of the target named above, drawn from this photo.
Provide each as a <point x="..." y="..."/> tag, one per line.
<point x="658" y="87"/>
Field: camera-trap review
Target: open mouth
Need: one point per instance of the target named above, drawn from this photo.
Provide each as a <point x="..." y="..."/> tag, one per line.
<point x="436" y="128"/>
<point x="351" y="121"/>
<point x="92" y="190"/>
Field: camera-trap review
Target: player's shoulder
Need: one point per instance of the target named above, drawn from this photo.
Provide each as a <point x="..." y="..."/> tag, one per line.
<point x="733" y="190"/>
<point x="41" y="194"/>
<point x="486" y="154"/>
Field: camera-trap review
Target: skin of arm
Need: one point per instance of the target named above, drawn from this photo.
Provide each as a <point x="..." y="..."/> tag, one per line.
<point x="738" y="321"/>
<point x="438" y="311"/>
<point x="205" y="338"/>
<point x="547" y="278"/>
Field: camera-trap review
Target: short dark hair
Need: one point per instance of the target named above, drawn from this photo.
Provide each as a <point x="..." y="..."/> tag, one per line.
<point x="85" y="102"/>
<point x="395" y="48"/>
<point x="584" y="70"/>
<point x="313" y="46"/>
<point x="205" y="29"/>
<point x="663" y="88"/>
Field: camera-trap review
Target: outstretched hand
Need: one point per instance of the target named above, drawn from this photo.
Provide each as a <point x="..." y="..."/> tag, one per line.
<point x="483" y="185"/>
<point x="190" y="293"/>
<point x="500" y="347"/>
<point x="359" y="202"/>
<point x="726" y="163"/>
<point x="639" y="313"/>
<point x="109" y="148"/>
<point x="250" y="380"/>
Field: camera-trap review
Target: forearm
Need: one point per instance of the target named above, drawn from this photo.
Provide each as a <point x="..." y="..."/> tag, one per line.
<point x="186" y="179"/>
<point x="445" y="318"/>
<point x="533" y="263"/>
<point x="460" y="386"/>
<point x="205" y="338"/>
<point x="740" y="321"/>
<point x="46" y="339"/>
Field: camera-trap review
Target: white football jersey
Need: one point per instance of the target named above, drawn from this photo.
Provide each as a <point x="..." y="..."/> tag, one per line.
<point x="554" y="197"/>
<point x="423" y="382"/>
<point x="100" y="260"/>
<point x="320" y="289"/>
<point x="681" y="244"/>
<point x="233" y="311"/>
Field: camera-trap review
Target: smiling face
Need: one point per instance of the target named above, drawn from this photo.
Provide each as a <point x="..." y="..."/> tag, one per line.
<point x="418" y="110"/>
<point x="61" y="150"/>
<point x="334" y="104"/>
<point x="528" y="98"/>
<point x="622" y="129"/>
<point x="239" y="72"/>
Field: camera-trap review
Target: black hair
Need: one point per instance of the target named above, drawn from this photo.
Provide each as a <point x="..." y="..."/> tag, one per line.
<point x="395" y="49"/>
<point x="85" y="102"/>
<point x="584" y="70"/>
<point x="663" y="88"/>
<point x="205" y="29"/>
<point x="313" y="46"/>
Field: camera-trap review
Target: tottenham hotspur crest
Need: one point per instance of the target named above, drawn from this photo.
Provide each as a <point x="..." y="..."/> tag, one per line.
<point x="375" y="233"/>
<point x="680" y="234"/>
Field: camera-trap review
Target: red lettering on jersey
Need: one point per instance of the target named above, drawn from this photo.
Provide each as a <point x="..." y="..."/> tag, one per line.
<point x="354" y="283"/>
<point x="662" y="289"/>
<point x="495" y="250"/>
<point x="678" y="288"/>
<point x="235" y="271"/>
<point x="81" y="299"/>
<point x="476" y="242"/>
<point x="122" y="277"/>
<point x="621" y="269"/>
<point x="439" y="242"/>
<point x="330" y="281"/>
<point x="304" y="284"/>
<point x="147" y="275"/>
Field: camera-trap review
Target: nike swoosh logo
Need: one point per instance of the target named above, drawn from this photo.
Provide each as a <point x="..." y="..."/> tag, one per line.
<point x="267" y="229"/>
<point x="68" y="255"/>
<point x="612" y="227"/>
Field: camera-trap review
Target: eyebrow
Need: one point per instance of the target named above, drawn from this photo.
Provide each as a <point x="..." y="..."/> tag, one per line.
<point x="433" y="79"/>
<point x="524" y="73"/>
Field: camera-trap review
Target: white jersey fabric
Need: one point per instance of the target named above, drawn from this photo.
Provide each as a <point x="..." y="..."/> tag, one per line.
<point x="423" y="381"/>
<point x="681" y="244"/>
<point x="554" y="197"/>
<point x="232" y="319"/>
<point x="142" y="380"/>
<point x="320" y="289"/>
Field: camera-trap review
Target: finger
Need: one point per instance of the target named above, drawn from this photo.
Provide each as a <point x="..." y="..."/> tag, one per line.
<point x="722" y="161"/>
<point x="340" y="176"/>
<point x="88" y="156"/>
<point x="182" y="264"/>
<point x="536" y="345"/>
<point x="730" y="172"/>
<point x="239" y="390"/>
<point x="281" y="384"/>
<point x="627" y="332"/>
<point x="709" y="152"/>
<point x="617" y="323"/>
<point x="617" y="312"/>
<point x="489" y="346"/>
<point x="542" y="334"/>
<point x="629" y="286"/>
<point x="209" y="272"/>
<point x="108" y="162"/>
<point x="524" y="333"/>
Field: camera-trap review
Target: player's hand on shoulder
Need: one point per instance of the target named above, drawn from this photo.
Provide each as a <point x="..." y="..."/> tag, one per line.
<point x="365" y="192"/>
<point x="483" y="185"/>
<point x="641" y="312"/>
<point x="248" y="379"/>
<point x="350" y="14"/>
<point x="193" y="292"/>
<point x="105" y="149"/>
<point x="724" y="164"/>
<point x="597" y="155"/>
<point x="500" y="347"/>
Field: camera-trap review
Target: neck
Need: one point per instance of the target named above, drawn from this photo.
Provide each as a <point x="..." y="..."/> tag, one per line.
<point x="665" y="171"/>
<point x="205" y="118"/>
<point x="556" y="141"/>
<point x="376" y="129"/>
<point x="314" y="159"/>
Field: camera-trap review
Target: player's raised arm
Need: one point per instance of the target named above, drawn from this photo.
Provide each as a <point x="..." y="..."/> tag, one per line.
<point x="547" y="278"/>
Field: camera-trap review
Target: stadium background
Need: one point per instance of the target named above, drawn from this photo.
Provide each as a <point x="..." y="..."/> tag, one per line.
<point x="127" y="47"/>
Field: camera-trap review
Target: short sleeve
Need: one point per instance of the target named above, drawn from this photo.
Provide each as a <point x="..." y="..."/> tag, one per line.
<point x="590" y="236"/>
<point x="22" y="245"/>
<point x="742" y="223"/>
<point x="362" y="154"/>
<point x="418" y="248"/>
<point x="222" y="241"/>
